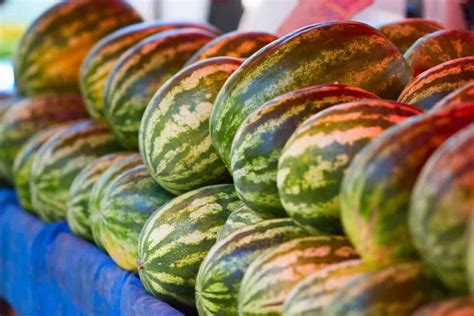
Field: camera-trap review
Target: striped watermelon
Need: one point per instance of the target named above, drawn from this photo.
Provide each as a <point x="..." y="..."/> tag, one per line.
<point x="306" y="57"/>
<point x="259" y="140"/>
<point x="462" y="306"/>
<point x="51" y="50"/>
<point x="377" y="186"/>
<point x="100" y="187"/>
<point x="470" y="255"/>
<point x="128" y="202"/>
<point x="392" y="291"/>
<point x="24" y="160"/>
<point x="100" y="60"/>
<point x="435" y="83"/>
<point x="7" y="103"/>
<point x="234" y="44"/>
<point x="174" y="134"/>
<point x="242" y="216"/>
<point x="311" y="295"/>
<point x="272" y="275"/>
<point x="461" y="95"/>
<point x="439" y="47"/>
<point x="140" y="71"/>
<point x="60" y="159"/>
<point x="405" y="32"/>
<point x="25" y="118"/>
<point x="175" y="240"/>
<point x="79" y="193"/>
<point x="313" y="161"/>
<point x="220" y="275"/>
<point x="441" y="204"/>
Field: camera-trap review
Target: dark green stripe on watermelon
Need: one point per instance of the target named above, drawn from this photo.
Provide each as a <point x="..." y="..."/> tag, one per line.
<point x="60" y="159"/>
<point x="272" y="275"/>
<point x="441" y="204"/>
<point x="462" y="306"/>
<point x="376" y="189"/>
<point x="437" y="82"/>
<point x="221" y="272"/>
<point x="174" y="134"/>
<point x="461" y="95"/>
<point x="140" y="71"/>
<point x="25" y="118"/>
<point x="470" y="255"/>
<point x="51" y="50"/>
<point x="349" y="53"/>
<point x="176" y="239"/>
<point x="313" y="161"/>
<point x="260" y="139"/>
<point x="100" y="60"/>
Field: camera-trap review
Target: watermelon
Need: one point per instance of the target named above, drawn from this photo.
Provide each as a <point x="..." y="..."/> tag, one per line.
<point x="176" y="239"/>
<point x="79" y="193"/>
<point x="461" y="95"/>
<point x="439" y="47"/>
<point x="313" y="161"/>
<point x="234" y="44"/>
<point x="470" y="255"/>
<point x="26" y="117"/>
<point x="174" y="133"/>
<point x="220" y="275"/>
<point x="100" y="187"/>
<point x="395" y="290"/>
<point x="51" y="50"/>
<point x="437" y="82"/>
<point x="460" y="306"/>
<point x="314" y="292"/>
<point x="100" y="60"/>
<point x="242" y="216"/>
<point x="405" y="32"/>
<point x="60" y="159"/>
<point x="7" y="103"/>
<point x="309" y="56"/>
<point x="441" y="204"/>
<point x="130" y="199"/>
<point x="272" y="275"/>
<point x="377" y="186"/>
<point x="259" y="140"/>
<point x="140" y="71"/>
<point x="24" y="159"/>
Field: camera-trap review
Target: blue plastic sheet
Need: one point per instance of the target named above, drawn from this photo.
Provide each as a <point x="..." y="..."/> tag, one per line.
<point x="45" y="270"/>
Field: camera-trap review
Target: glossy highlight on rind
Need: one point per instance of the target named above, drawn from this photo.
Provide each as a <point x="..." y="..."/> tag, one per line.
<point x="312" y="55"/>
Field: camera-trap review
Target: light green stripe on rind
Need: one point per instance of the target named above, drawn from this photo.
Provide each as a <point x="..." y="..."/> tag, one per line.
<point x="220" y="275"/>
<point x="176" y="239"/>
<point x="60" y="159"/>
<point x="79" y="193"/>
<point x="313" y="293"/>
<point x="349" y="53"/>
<point x="174" y="135"/>
<point x="99" y="189"/>
<point x="242" y="216"/>
<point x="272" y="275"/>
<point x="459" y="306"/>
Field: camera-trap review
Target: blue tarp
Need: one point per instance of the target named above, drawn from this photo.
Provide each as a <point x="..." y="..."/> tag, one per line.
<point x="45" y="270"/>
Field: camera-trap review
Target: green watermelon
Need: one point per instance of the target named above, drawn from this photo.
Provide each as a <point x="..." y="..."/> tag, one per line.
<point x="260" y="139"/>
<point x="470" y="255"/>
<point x="313" y="161"/>
<point x="441" y="204"/>
<point x="437" y="82"/>
<point x="314" y="292"/>
<point x="138" y="74"/>
<point x="460" y="306"/>
<point x="100" y="187"/>
<point x="176" y="238"/>
<point x="174" y="134"/>
<point x="461" y="95"/>
<point x="128" y="202"/>
<point x="376" y="189"/>
<point x="220" y="275"/>
<point x="60" y="159"/>
<point x="30" y="115"/>
<point x="395" y="290"/>
<point x="342" y="52"/>
<point x="242" y="216"/>
<point x="50" y="53"/>
<point x="79" y="193"/>
<point x="271" y="276"/>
